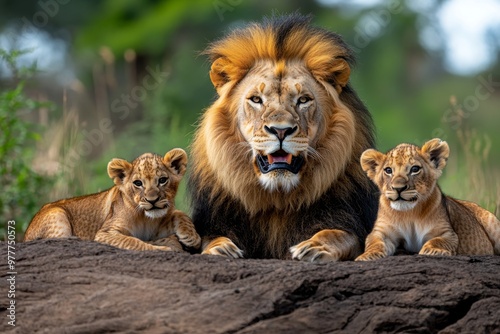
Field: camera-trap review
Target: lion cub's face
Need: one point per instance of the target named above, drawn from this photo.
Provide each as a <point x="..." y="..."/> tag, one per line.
<point x="279" y="118"/>
<point x="150" y="182"/>
<point x="407" y="174"/>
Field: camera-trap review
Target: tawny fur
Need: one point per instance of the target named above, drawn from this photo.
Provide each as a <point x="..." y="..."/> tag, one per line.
<point x="415" y="214"/>
<point x="137" y="213"/>
<point x="282" y="74"/>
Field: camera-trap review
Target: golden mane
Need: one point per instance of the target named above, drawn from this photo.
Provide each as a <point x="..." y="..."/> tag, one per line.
<point x="289" y="38"/>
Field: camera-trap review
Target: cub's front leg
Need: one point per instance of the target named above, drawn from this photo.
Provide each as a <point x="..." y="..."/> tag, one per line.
<point x="185" y="230"/>
<point x="171" y="241"/>
<point x="122" y="238"/>
<point x="377" y="247"/>
<point x="446" y="244"/>
<point x="327" y="245"/>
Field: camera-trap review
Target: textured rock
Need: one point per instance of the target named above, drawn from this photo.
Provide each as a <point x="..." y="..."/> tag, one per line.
<point x="73" y="286"/>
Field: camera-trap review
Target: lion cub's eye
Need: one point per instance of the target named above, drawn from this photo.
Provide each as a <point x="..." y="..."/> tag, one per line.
<point x="256" y="99"/>
<point x="303" y="99"/>
<point x="415" y="169"/>
<point x="388" y="170"/>
<point x="162" y="180"/>
<point x="138" y="183"/>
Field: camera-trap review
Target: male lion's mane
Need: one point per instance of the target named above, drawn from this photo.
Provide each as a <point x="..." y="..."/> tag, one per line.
<point x="333" y="191"/>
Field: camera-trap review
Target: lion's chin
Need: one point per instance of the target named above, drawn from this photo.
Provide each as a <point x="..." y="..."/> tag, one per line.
<point x="403" y="205"/>
<point x="279" y="180"/>
<point x="156" y="213"/>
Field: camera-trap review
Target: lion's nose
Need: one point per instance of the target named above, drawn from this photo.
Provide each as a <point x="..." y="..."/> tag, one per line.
<point x="280" y="133"/>
<point x="153" y="201"/>
<point x="400" y="189"/>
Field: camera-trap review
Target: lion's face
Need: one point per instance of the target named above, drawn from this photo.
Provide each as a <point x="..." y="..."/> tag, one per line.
<point x="150" y="182"/>
<point x="406" y="175"/>
<point x="279" y="118"/>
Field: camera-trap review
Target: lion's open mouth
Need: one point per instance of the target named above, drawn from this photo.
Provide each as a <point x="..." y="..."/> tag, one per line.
<point x="279" y="160"/>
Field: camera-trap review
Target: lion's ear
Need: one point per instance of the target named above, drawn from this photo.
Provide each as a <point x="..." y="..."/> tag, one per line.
<point x="176" y="159"/>
<point x="437" y="151"/>
<point x="336" y="73"/>
<point x="370" y="160"/>
<point x="118" y="169"/>
<point x="223" y="71"/>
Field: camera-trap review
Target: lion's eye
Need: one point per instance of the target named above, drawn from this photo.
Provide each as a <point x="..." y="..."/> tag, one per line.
<point x="256" y="99"/>
<point x="415" y="169"/>
<point x="388" y="170"/>
<point x="162" y="180"/>
<point x="303" y="99"/>
<point x="138" y="183"/>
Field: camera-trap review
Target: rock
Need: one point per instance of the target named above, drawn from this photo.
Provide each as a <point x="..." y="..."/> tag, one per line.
<point x="74" y="286"/>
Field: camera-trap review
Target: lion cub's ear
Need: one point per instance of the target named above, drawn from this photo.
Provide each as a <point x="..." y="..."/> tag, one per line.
<point x="118" y="169"/>
<point x="176" y="159"/>
<point x="370" y="160"/>
<point x="437" y="151"/>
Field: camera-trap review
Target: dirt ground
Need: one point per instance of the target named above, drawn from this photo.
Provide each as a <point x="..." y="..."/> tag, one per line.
<point x="74" y="286"/>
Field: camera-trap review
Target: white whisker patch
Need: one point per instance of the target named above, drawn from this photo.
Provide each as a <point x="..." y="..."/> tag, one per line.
<point x="156" y="213"/>
<point x="403" y="205"/>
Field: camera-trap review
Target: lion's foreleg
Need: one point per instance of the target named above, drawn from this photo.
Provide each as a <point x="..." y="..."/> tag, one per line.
<point x="377" y="246"/>
<point x="327" y="245"/>
<point x="444" y="244"/>
<point x="171" y="241"/>
<point x="185" y="230"/>
<point x="122" y="239"/>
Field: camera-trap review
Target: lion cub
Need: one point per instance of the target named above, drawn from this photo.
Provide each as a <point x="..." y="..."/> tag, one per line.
<point x="414" y="213"/>
<point x="137" y="213"/>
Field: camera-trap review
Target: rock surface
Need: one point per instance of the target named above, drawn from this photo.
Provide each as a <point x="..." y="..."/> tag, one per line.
<point x="73" y="286"/>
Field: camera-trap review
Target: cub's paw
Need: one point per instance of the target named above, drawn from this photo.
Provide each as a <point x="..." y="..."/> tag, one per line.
<point x="185" y="231"/>
<point x="435" y="251"/>
<point x="171" y="243"/>
<point x="370" y="256"/>
<point x="326" y="245"/>
<point x="223" y="246"/>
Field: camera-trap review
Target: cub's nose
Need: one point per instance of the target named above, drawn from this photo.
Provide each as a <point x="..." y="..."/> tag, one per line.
<point x="153" y="201"/>
<point x="400" y="189"/>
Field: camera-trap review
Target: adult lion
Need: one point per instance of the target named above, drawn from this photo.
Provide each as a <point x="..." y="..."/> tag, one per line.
<point x="276" y="169"/>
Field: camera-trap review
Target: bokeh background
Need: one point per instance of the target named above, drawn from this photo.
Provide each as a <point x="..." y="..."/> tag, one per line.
<point x="119" y="78"/>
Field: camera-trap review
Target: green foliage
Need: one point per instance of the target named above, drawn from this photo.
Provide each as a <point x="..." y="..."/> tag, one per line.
<point x="22" y="188"/>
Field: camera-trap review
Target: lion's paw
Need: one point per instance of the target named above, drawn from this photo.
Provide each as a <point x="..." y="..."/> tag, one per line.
<point x="435" y="251"/>
<point x="185" y="231"/>
<point x="325" y="246"/>
<point x="370" y="256"/>
<point x="223" y="246"/>
<point x="169" y="243"/>
<point x="313" y="251"/>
